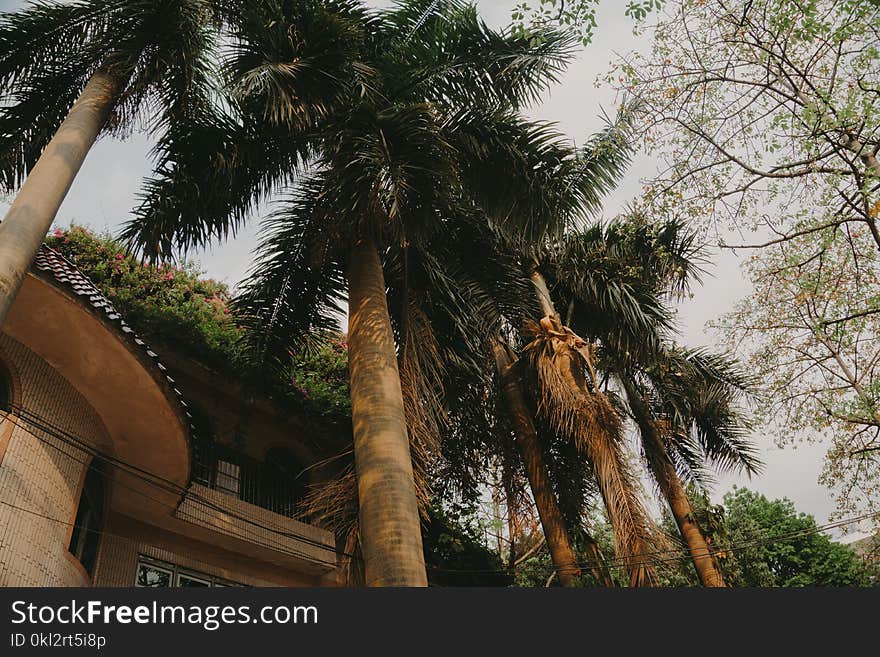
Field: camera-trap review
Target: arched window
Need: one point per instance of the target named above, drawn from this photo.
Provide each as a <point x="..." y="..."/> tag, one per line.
<point x="89" y="519"/>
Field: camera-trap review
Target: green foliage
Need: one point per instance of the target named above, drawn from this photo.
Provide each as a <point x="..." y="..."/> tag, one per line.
<point x="178" y="307"/>
<point x="576" y="15"/>
<point x="536" y="571"/>
<point x="767" y="543"/>
<point x="321" y="376"/>
<point x="809" y="558"/>
<point x="160" y="52"/>
<point x="174" y="305"/>
<point x="455" y="554"/>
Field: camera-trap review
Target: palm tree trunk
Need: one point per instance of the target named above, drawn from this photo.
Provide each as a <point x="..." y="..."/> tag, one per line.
<point x="512" y="519"/>
<point x="704" y="561"/>
<point x="543" y="294"/>
<point x="673" y="490"/>
<point x="628" y="518"/>
<point x="389" y="516"/>
<point x="37" y="203"/>
<point x="555" y="531"/>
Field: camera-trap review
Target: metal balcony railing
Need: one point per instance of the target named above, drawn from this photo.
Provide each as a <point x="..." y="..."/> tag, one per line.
<point x="275" y="484"/>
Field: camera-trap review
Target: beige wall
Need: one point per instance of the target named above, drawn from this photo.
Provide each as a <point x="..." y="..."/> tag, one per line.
<point x="40" y="481"/>
<point x="40" y="475"/>
<point x="128" y="538"/>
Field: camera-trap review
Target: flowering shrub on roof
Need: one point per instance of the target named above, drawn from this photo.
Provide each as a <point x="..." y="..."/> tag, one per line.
<point x="175" y="305"/>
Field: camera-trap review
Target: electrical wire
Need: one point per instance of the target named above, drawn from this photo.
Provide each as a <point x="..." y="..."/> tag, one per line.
<point x="675" y="555"/>
<point x="155" y="480"/>
<point x="655" y="557"/>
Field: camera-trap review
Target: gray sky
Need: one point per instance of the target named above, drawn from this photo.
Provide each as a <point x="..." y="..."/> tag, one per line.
<point x="107" y="187"/>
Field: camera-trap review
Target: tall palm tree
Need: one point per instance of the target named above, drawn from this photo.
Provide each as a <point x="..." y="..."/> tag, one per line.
<point x="565" y="183"/>
<point x="561" y="182"/>
<point x="569" y="396"/>
<point x="70" y="72"/>
<point x="685" y="405"/>
<point x="560" y="365"/>
<point x="474" y="290"/>
<point x="377" y="168"/>
<point x="684" y="402"/>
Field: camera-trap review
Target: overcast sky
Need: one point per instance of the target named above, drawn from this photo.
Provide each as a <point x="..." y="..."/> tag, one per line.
<point x="107" y="187"/>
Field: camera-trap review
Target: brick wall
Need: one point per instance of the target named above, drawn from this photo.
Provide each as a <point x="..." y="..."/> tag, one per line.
<point x="41" y="475"/>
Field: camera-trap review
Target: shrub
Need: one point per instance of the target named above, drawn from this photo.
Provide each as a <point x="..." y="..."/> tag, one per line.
<point x="175" y="305"/>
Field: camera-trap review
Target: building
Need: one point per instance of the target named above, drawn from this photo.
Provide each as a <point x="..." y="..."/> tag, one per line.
<point x="104" y="481"/>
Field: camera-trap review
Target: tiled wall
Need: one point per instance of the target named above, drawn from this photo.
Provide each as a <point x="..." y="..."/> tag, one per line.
<point x="231" y="516"/>
<point x="40" y="476"/>
<point x="119" y="562"/>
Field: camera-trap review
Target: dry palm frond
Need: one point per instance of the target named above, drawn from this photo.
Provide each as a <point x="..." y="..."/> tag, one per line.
<point x="421" y="380"/>
<point x="572" y="404"/>
<point x="334" y="505"/>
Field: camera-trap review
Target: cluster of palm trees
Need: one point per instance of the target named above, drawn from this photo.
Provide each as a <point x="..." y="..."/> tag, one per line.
<point x="486" y="316"/>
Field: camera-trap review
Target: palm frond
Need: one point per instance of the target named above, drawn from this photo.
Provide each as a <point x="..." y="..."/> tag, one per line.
<point x="296" y="63"/>
<point x="294" y="293"/>
<point x="46" y="34"/>
<point x="453" y="58"/>
<point x="211" y="175"/>
<point x="701" y="394"/>
<point x="568" y="398"/>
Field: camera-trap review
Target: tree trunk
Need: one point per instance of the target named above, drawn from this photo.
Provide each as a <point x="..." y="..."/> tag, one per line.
<point x="627" y="516"/>
<point x="673" y="490"/>
<point x="555" y="531"/>
<point x="390" y="527"/>
<point x="543" y="294"/>
<point x="37" y="203"/>
<point x="704" y="561"/>
<point x="512" y="518"/>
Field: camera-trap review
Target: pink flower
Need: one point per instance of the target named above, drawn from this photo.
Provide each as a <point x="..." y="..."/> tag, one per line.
<point x="169" y="275"/>
<point x="119" y="256"/>
<point x="57" y="233"/>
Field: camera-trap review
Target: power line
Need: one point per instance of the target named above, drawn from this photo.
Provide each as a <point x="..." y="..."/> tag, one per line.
<point x="72" y="441"/>
<point x="626" y="562"/>
<point x="677" y="554"/>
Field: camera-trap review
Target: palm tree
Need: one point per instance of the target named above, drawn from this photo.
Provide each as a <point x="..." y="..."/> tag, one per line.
<point x="475" y="288"/>
<point x="556" y="181"/>
<point x="521" y="418"/>
<point x="472" y="290"/>
<point x="561" y="182"/>
<point x="684" y="402"/>
<point x="70" y="72"/>
<point x="378" y="166"/>
<point x="560" y="367"/>
<point x="570" y="398"/>
<point x="685" y="406"/>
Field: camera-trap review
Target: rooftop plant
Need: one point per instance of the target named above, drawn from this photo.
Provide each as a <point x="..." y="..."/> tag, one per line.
<point x="177" y="306"/>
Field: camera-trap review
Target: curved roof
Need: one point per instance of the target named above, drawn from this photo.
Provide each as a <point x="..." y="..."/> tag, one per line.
<point x="66" y="274"/>
<point x="61" y="316"/>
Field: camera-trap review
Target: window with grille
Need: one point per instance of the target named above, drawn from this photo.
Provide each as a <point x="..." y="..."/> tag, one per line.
<point x="276" y="483"/>
<point x="153" y="573"/>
